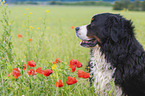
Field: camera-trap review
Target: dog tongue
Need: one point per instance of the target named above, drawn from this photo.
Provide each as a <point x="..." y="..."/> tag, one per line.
<point x="85" y="42"/>
<point x="88" y="41"/>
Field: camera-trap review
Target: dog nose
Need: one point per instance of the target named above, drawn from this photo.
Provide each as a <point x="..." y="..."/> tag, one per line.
<point x="77" y="28"/>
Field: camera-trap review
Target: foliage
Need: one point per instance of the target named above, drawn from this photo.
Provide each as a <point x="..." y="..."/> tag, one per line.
<point x="26" y="2"/>
<point x="86" y="3"/>
<point x="143" y="5"/>
<point x="133" y="6"/>
<point x="6" y="52"/>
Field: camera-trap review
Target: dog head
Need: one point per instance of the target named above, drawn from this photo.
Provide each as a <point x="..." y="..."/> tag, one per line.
<point x="103" y="28"/>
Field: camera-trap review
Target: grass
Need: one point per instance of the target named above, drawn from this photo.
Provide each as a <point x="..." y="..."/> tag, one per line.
<point x="54" y="39"/>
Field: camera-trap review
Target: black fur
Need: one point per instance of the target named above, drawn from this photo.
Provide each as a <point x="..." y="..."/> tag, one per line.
<point x="88" y="68"/>
<point x="122" y="50"/>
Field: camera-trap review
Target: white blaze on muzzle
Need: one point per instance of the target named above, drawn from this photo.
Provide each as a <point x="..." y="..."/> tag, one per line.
<point x="82" y="33"/>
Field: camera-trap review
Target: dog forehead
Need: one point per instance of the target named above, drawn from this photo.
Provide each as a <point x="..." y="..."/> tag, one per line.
<point x="101" y="14"/>
<point x="100" y="17"/>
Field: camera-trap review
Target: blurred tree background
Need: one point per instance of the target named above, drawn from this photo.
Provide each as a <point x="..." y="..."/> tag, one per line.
<point x="137" y="5"/>
<point x="132" y="5"/>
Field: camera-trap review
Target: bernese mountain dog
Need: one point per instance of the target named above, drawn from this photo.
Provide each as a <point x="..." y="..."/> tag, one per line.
<point x="116" y="55"/>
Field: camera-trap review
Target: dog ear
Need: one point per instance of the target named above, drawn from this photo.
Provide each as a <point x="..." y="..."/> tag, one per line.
<point x="114" y="35"/>
<point x="114" y="26"/>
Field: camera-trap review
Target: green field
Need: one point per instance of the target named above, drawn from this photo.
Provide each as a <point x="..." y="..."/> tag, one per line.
<point x="54" y="39"/>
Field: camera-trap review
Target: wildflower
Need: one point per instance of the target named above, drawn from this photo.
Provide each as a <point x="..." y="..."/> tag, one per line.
<point x="122" y="10"/>
<point x="79" y="64"/>
<point x="16" y="69"/>
<point x="1" y="3"/>
<point x="72" y="64"/>
<point x="9" y="74"/>
<point x="71" y="80"/>
<point x="91" y="75"/>
<point x="48" y="27"/>
<point x="73" y="67"/>
<point x="31" y="72"/>
<point x="54" y="66"/>
<point x="47" y="11"/>
<point x="30" y="39"/>
<point x="57" y="60"/>
<point x="27" y="9"/>
<point x="39" y="70"/>
<point x="38" y="28"/>
<point x="47" y="72"/>
<point x="30" y="12"/>
<point x="25" y="66"/>
<point x="59" y="83"/>
<point x="31" y="27"/>
<point x="53" y="62"/>
<point x="127" y="10"/>
<point x="16" y="73"/>
<point x="72" y="27"/>
<point x="23" y="26"/>
<point x="20" y="36"/>
<point x="82" y="74"/>
<point x="31" y="63"/>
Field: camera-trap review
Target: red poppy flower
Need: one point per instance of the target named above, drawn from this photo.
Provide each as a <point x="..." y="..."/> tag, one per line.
<point x="16" y="69"/>
<point x="71" y="80"/>
<point x="72" y="27"/>
<point x="82" y="74"/>
<point x="79" y="64"/>
<point x="73" y="64"/>
<point x="25" y="66"/>
<point x="31" y="63"/>
<point x="73" y="68"/>
<point x="86" y="75"/>
<point x="47" y="72"/>
<point x="53" y="62"/>
<point x="20" y="36"/>
<point x="9" y="74"/>
<point x="16" y="73"/>
<point x="57" y="60"/>
<point x="31" y="72"/>
<point x="59" y="83"/>
<point x="30" y="39"/>
<point x="39" y="70"/>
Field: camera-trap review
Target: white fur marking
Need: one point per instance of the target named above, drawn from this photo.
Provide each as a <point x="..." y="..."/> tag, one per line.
<point x="82" y="33"/>
<point x="102" y="73"/>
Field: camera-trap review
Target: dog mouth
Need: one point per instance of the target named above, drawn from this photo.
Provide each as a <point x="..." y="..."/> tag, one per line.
<point x="89" y="43"/>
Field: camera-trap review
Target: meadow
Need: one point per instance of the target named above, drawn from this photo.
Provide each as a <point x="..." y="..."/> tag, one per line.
<point x="52" y="34"/>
